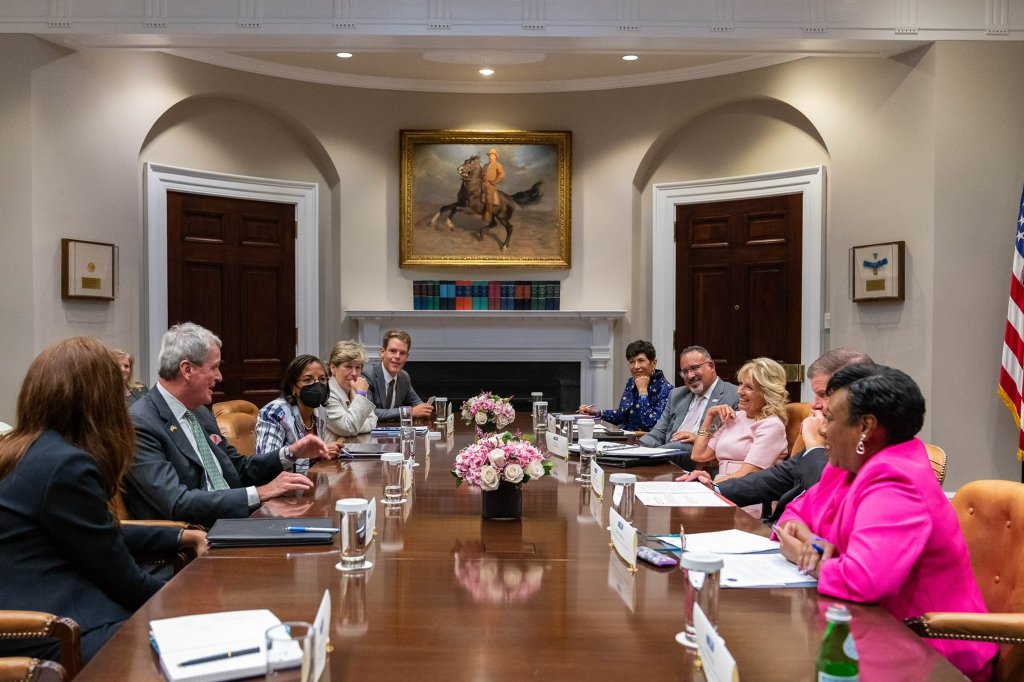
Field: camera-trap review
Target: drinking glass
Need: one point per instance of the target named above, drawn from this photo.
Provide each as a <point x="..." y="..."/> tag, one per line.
<point x="355" y="535"/>
<point x="624" y="494"/>
<point x="291" y="645"/>
<point x="540" y="415"/>
<point x="408" y="441"/>
<point x="440" y="410"/>
<point x="393" y="464"/>
<point x="585" y="428"/>
<point x="702" y="571"/>
<point x="588" y="450"/>
<point x="405" y="415"/>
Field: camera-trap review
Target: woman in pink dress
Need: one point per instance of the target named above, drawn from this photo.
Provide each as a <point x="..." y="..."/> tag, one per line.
<point x="877" y="526"/>
<point x="754" y="437"/>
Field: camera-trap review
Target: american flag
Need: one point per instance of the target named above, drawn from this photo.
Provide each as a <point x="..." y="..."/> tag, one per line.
<point x="1011" y="376"/>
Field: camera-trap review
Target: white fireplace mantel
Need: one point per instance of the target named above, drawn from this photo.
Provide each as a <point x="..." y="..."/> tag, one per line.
<point x="583" y="336"/>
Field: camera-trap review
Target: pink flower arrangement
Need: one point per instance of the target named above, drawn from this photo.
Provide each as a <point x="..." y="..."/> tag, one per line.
<point x="488" y="407"/>
<point x="497" y="458"/>
<point x="493" y="581"/>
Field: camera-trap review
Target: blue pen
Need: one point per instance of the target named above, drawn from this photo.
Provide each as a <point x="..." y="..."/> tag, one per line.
<point x="311" y="529"/>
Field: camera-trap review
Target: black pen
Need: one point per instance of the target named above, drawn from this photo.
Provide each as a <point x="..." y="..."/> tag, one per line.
<point x="220" y="657"/>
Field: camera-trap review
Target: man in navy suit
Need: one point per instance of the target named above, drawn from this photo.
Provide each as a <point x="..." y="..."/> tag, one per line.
<point x="184" y="470"/>
<point x="390" y="385"/>
<point x="687" y="404"/>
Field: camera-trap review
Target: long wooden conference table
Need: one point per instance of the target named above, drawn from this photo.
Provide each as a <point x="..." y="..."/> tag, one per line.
<point x="453" y="597"/>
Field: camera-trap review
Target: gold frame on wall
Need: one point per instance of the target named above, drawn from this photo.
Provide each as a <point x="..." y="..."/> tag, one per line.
<point x="536" y="199"/>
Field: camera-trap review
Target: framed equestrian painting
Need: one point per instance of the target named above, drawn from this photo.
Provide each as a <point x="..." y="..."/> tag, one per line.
<point x="876" y="272"/>
<point x="485" y="199"/>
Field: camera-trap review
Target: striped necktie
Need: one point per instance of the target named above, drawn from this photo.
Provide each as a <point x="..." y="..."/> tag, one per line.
<point x="213" y="472"/>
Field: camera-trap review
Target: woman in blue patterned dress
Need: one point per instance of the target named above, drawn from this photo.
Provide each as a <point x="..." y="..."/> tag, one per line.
<point x="645" y="395"/>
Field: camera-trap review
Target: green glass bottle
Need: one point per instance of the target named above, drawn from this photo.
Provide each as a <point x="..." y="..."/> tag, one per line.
<point x="837" y="657"/>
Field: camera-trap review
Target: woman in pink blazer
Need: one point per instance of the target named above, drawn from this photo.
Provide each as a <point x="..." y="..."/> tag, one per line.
<point x="877" y="527"/>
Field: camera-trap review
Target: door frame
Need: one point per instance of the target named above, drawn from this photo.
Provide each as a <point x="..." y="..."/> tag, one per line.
<point x="809" y="182"/>
<point x="161" y="179"/>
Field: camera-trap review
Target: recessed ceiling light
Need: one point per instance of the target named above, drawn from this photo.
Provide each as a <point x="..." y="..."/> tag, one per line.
<point x="486" y="72"/>
<point x="629" y="58"/>
<point x="345" y="55"/>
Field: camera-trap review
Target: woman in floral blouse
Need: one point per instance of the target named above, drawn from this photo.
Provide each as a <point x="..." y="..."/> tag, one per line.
<point x="645" y="395"/>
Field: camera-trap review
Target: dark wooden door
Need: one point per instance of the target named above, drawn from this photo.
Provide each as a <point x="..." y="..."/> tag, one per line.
<point x="738" y="268"/>
<point x="231" y="268"/>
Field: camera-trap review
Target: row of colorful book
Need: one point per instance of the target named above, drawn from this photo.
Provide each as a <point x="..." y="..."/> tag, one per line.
<point x="485" y="295"/>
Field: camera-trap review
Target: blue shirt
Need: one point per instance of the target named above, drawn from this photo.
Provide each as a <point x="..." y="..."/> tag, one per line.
<point x="641" y="412"/>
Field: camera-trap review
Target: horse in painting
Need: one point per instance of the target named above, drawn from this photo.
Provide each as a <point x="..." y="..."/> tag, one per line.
<point x="471" y="200"/>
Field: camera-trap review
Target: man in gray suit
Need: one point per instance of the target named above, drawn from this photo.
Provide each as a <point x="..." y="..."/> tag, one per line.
<point x="390" y="385"/>
<point x="184" y="470"/>
<point x="788" y="480"/>
<point x="687" y="404"/>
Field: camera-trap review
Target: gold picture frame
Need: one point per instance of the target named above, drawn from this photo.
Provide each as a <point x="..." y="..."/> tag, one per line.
<point x="877" y="272"/>
<point x="443" y="208"/>
<point x="88" y="270"/>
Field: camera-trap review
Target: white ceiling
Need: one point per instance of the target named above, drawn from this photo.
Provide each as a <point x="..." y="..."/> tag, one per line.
<point x="532" y="45"/>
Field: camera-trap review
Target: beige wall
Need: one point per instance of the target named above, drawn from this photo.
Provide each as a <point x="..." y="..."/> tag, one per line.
<point x="906" y="159"/>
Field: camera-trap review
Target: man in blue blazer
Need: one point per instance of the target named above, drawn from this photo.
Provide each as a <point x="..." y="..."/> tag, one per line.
<point x="687" y="404"/>
<point x="387" y="399"/>
<point x="184" y="469"/>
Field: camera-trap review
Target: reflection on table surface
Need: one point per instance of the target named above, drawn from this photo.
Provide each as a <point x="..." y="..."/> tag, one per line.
<point x="451" y="596"/>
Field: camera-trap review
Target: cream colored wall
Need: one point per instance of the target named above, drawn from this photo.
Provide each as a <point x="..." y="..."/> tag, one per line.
<point x="879" y="124"/>
<point x="979" y="172"/>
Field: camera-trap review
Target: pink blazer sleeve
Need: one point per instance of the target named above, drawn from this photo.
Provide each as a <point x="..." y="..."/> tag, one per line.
<point x="890" y="528"/>
<point x="769" y="442"/>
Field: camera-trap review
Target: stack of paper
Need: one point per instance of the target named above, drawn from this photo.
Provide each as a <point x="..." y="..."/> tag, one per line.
<point x="213" y="636"/>
<point x="676" y="494"/>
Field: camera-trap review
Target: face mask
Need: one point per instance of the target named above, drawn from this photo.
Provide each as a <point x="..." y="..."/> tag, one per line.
<point x="314" y="395"/>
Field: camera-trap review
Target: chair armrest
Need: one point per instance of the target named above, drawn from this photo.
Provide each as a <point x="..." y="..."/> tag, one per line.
<point x="1004" y="628"/>
<point x="20" y="668"/>
<point x="36" y="625"/>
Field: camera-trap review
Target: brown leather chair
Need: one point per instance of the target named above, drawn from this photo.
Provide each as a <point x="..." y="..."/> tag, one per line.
<point x="938" y="458"/>
<point x="39" y="625"/>
<point x="229" y="406"/>
<point x="991" y="516"/>
<point x="796" y="412"/>
<point x="22" y="669"/>
<point x="239" y="428"/>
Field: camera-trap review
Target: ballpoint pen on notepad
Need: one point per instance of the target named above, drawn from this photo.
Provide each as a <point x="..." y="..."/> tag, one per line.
<point x="311" y="529"/>
<point x="221" y="656"/>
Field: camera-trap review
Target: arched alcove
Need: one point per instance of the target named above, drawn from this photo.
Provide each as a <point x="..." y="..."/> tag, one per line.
<point x="232" y="147"/>
<point x="732" y="151"/>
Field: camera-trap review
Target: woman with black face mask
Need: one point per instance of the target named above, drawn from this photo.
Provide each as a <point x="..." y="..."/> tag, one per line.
<point x="298" y="412"/>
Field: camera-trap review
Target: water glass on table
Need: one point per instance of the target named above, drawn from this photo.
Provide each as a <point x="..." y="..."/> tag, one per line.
<point x="291" y="645"/>
<point x="355" y="535"/>
<point x="405" y="415"/>
<point x="440" y="411"/>
<point x="540" y="415"/>
<point x="393" y="464"/>
<point x="588" y="450"/>
<point x="702" y="571"/>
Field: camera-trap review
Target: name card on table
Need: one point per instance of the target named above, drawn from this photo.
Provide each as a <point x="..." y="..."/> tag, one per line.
<point x="552" y="422"/>
<point x="450" y="423"/>
<point x="623" y="537"/>
<point x="719" y="665"/>
<point x="407" y="475"/>
<point x="597" y="478"/>
<point x="371" y="519"/>
<point x="320" y="625"/>
<point x="557" y="445"/>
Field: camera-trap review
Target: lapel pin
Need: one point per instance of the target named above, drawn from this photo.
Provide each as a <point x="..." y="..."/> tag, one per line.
<point x="174" y="428"/>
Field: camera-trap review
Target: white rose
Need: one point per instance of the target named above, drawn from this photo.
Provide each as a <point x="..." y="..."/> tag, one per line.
<point x="489" y="478"/>
<point x="514" y="473"/>
<point x="481" y="418"/>
<point x="502" y="421"/>
<point x="497" y="457"/>
<point x="535" y="469"/>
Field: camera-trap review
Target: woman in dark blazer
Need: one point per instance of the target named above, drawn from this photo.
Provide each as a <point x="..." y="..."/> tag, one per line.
<point x="61" y="548"/>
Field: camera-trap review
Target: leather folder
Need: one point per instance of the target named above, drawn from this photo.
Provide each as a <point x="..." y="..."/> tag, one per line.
<point x="267" y="532"/>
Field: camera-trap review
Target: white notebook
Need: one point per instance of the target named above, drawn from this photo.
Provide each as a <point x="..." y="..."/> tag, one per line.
<point x="208" y="634"/>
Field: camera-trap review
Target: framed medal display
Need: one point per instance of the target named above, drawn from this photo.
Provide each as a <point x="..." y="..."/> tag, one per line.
<point x="876" y="272"/>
